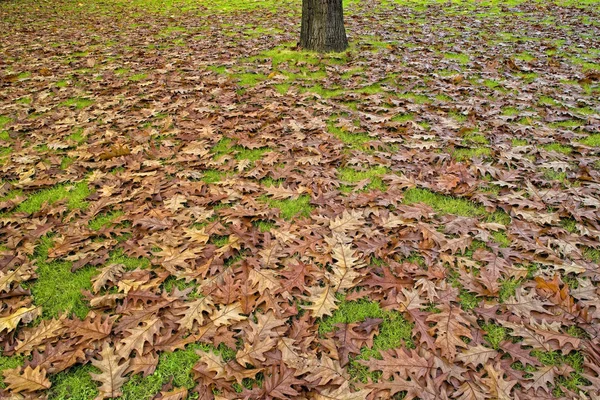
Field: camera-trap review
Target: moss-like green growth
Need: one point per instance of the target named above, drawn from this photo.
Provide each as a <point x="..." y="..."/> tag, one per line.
<point x="4" y="120"/>
<point x="592" y="140"/>
<point x="559" y="148"/>
<point x="57" y="289"/>
<point x="213" y="175"/>
<point x="104" y="220"/>
<point x="467" y="154"/>
<point x="355" y="140"/>
<point x="138" y="77"/>
<point x="351" y="311"/>
<point x="243" y="153"/>
<point x="501" y="238"/>
<point x="495" y="334"/>
<point x="78" y="102"/>
<point x="476" y="138"/>
<point x="451" y="205"/>
<point x="264" y="226"/>
<point x="74" y="194"/>
<point x="569" y="124"/>
<point x="374" y="174"/>
<point x="459" y="57"/>
<point x="175" y="367"/>
<point x="74" y="384"/>
<point x="548" y="101"/>
<point x="291" y="208"/>
<point x="130" y="263"/>
<point x="519" y="142"/>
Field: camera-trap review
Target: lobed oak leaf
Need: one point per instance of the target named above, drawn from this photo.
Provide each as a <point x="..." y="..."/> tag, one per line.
<point x="224" y="370"/>
<point x="21" y="273"/>
<point x="138" y="336"/>
<point x="542" y="378"/>
<point x="499" y="388"/>
<point x="175" y="394"/>
<point x="26" y="379"/>
<point x="343" y="393"/>
<point x="111" y="372"/>
<point x="399" y="362"/>
<point x="450" y="325"/>
<point x="279" y="382"/>
<point x="254" y="354"/>
<point x="110" y="273"/>
<point x="343" y="267"/>
<point x="23" y="314"/>
<point x="227" y="315"/>
<point x="324" y="371"/>
<point x="348" y="221"/>
<point x="476" y="355"/>
<point x="323" y="301"/>
<point x="32" y="338"/>
<point x="470" y="390"/>
<point x="195" y="312"/>
<point x="144" y="365"/>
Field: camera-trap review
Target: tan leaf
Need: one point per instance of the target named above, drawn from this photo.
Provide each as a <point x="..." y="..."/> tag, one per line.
<point x="26" y="379"/>
<point x="499" y="389"/>
<point x="138" y="337"/>
<point x="34" y="337"/>
<point x="344" y="266"/>
<point x="21" y="273"/>
<point x="111" y="375"/>
<point x="227" y="315"/>
<point x="323" y="301"/>
<point x="476" y="355"/>
<point x="195" y="312"/>
<point x="110" y="273"/>
<point x="450" y="325"/>
<point x="23" y="314"/>
<point x="342" y="393"/>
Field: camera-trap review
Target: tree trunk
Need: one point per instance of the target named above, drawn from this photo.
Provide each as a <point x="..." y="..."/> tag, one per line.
<point x="323" y="26"/>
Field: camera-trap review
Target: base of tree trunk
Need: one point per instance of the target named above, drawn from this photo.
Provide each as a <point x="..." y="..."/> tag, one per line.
<point x="323" y="26"/>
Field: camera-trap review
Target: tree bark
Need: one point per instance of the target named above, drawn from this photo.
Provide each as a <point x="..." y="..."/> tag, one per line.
<point x="323" y="26"/>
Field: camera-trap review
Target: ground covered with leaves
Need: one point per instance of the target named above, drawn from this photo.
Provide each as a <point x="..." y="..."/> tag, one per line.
<point x="191" y="208"/>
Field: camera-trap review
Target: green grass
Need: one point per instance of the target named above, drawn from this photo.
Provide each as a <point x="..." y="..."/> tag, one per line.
<point x="243" y="153"/>
<point x="78" y="102"/>
<point x="77" y="136"/>
<point x="461" y="58"/>
<point x="175" y="367"/>
<point x="74" y="384"/>
<point x="495" y="334"/>
<point x="463" y="154"/>
<point x="130" y="263"/>
<point x="291" y="208"/>
<point x="104" y="220"/>
<point x="559" y="148"/>
<point x="58" y="290"/>
<point x="4" y="120"/>
<point x="592" y="140"/>
<point x="74" y="195"/>
<point x="548" y="101"/>
<point x="213" y="176"/>
<point x="569" y="124"/>
<point x="519" y="142"/>
<point x="223" y="146"/>
<point x="451" y="205"/>
<point x="138" y="77"/>
<point x="394" y="331"/>
<point x="373" y="174"/>
<point x="354" y="140"/>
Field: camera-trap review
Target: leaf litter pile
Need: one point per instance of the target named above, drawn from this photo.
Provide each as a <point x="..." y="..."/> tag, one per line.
<point x="191" y="208"/>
